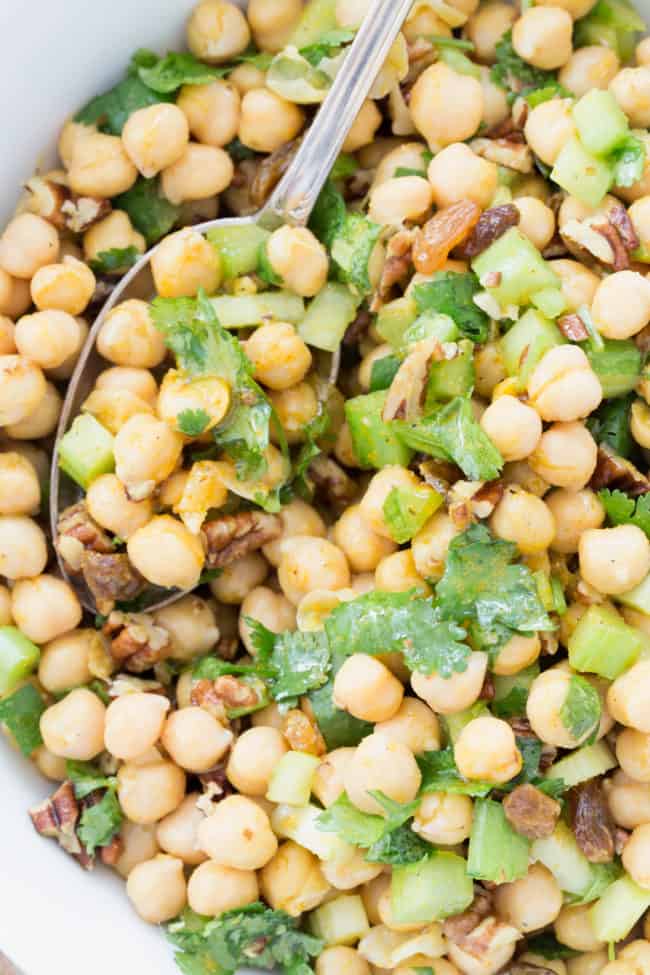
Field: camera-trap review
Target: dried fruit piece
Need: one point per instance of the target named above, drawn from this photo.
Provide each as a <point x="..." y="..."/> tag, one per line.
<point x="446" y="230"/>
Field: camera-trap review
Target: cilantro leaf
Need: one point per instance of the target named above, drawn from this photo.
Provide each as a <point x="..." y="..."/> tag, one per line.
<point x="383" y="372"/>
<point x="515" y="75"/>
<point x="99" y="824"/>
<point x="351" y="250"/>
<point x="87" y="778"/>
<point x="327" y="46"/>
<point x="294" y="662"/>
<point x="628" y="161"/>
<point x="111" y="110"/>
<point x="452" y="433"/>
<point x="481" y="585"/>
<point x="451" y="293"/>
<point x="254" y="935"/>
<point x="339" y="728"/>
<point x="383" y="622"/>
<point x="21" y="714"/>
<point x="547" y="946"/>
<point x="396" y="813"/>
<point x="350" y="824"/>
<point x="149" y="211"/>
<point x="398" y="847"/>
<point x="610" y="424"/>
<point x="581" y="710"/>
<point x="406" y="511"/>
<point x="168" y="74"/>
<point x="440" y="774"/>
<point x="514" y="703"/>
<point x="623" y="510"/>
<point x="328" y="215"/>
<point x="117" y="260"/>
<point x="314" y="432"/>
<point x="403" y="171"/>
<point x="192" y="422"/>
<point x="552" y="90"/>
<point x="344" y="167"/>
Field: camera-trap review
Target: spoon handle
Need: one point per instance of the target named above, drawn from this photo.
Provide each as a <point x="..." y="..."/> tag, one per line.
<point x="295" y="196"/>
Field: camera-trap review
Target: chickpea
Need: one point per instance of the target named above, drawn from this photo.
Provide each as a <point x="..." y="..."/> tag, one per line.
<point x="589" y="963"/>
<point x="6" y="618"/>
<point x="47" y="337"/>
<point x="382" y="483"/>
<point x="456" y="173"/>
<point x="546" y="698"/>
<point x="532" y="902"/>
<point x="444" y="818"/>
<point x="536" y="220"/>
<point x="23" y="547"/>
<point x="631" y="89"/>
<point x="212" y="111"/>
<point x="542" y="37"/>
<point x="297" y="257"/>
<point x="15" y="296"/>
<point x="589" y="67"/>
<point x="626" y="696"/>
<point x="486" y="749"/>
<point x="43" y="421"/>
<point x="7" y="343"/>
<point x="272" y="609"/>
<point x="618" y="968"/>
<point x="495" y="102"/>
<point x="271" y="23"/>
<point x="109" y="505"/>
<point x="184" y="262"/>
<point x="279" y="356"/>
<point x="195" y="740"/>
<point x="155" y="137"/>
<point x="512" y="426"/>
<point x="191" y="625"/>
<point x="267" y="121"/>
<point x="74" y="728"/>
<point x="397" y="200"/>
<point x="311" y="563"/>
<point x="363" y="128"/>
<point x="522" y="518"/>
<point x="100" y="166"/>
<point x="238" y="834"/>
<point x="200" y="172"/>
<point x="150" y="790"/>
<point x="574" y="512"/>
<point x="573" y="928"/>
<point x="406" y="155"/>
<point x="184" y="553"/>
<point x="397" y="573"/>
<point x="20" y="489"/>
<point x="128" y="337"/>
<point x="633" y="754"/>
<point x="445" y="106"/>
<point x="636" y="860"/>
<point x="621" y="305"/>
<point x="642" y="53"/>
<point x="629" y="801"/>
<point x="177" y="833"/>
<point x="245" y="78"/>
<point x="548" y="127"/>
<point x="114" y="407"/>
<point x="338" y="959"/>
<point x="134" y="723"/>
<point x="493" y="960"/>
<point x="383" y="764"/>
<point x="614" y="560"/>
<point x="519" y="652"/>
<point x="565" y="456"/>
<point x="372" y="895"/>
<point x="44" y="607"/>
<point x="349" y="872"/>
<point x="458" y="692"/>
<point x="239" y="578"/>
<point x="563" y="386"/>
<point x="65" y="287"/>
<point x="578" y="283"/>
<point x="138" y="381"/>
<point x="486" y="27"/>
<point x="363" y="547"/>
<point x="53" y="767"/>
<point x="217" y="31"/>
<point x="157" y="888"/>
<point x="64" y="661"/>
<point x="293" y="881"/>
<point x="637" y="955"/>
<point x="328" y="785"/>
<point x="28" y="243"/>
<point x="114" y="231"/>
<point x="146" y="452"/>
<point x="414" y="725"/>
<point x="213" y="889"/>
<point x="253" y="759"/>
<point x="296" y="408"/>
<point x="365" y="688"/>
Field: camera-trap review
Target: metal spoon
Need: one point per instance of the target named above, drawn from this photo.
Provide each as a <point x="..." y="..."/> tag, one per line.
<point x="291" y="203"/>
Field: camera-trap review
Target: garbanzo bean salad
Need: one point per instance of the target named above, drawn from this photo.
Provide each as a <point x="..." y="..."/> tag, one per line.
<point x="400" y="722"/>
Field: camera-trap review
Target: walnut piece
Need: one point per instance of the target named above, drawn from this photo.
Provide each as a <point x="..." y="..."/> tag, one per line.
<point x="110" y="578"/>
<point x="136" y="641"/>
<point x="76" y="532"/>
<point x="230" y="537"/>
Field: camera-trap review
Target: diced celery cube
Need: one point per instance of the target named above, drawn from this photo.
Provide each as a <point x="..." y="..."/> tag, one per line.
<point x="454" y="723"/>
<point x="238" y="248"/>
<point x="18" y="658"/>
<point x="617" y="365"/>
<point x="298" y="823"/>
<point x="86" y="451"/>
<point x="603" y="644"/>
<point x="562" y="856"/>
<point x="292" y="779"/>
<point x="430" y="325"/>
<point x="618" y="910"/>
<point x="522" y="269"/>
<point x="496" y="852"/>
<point x="318" y="18"/>
<point x="581" y="174"/>
<point x="550" y="301"/>
<point x="328" y="316"/>
<point x="342" y="921"/>
<point x="637" y="598"/>
<point x="374" y="441"/>
<point x="451" y="377"/>
<point x="583" y="764"/>
<point x="525" y="344"/>
<point x="241" y="311"/>
<point x="394" y="318"/>
<point x="600" y="121"/>
<point x="431" y="890"/>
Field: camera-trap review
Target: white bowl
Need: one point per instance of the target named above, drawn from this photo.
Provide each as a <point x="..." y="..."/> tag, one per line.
<point x="55" y="917"/>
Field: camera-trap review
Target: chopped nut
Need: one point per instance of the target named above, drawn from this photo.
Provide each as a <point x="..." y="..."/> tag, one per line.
<point x="110" y="578"/>
<point x="620" y="219"/>
<point x="215" y="788"/>
<point x="573" y="328"/>
<point x="492" y="224"/>
<point x="331" y="482"/>
<point x="57" y="817"/>
<point x="459" y="927"/>
<point x="110" y="854"/>
<point x="507" y="152"/>
<point x="610" y="233"/>
<point x="302" y="734"/>
<point x="487" y="498"/>
<point x="399" y="251"/>
<point x="358" y="328"/>
<point x="56" y="203"/>
<point x="613" y="471"/>
<point x="81" y="212"/>
<point x="230" y="537"/>
<point x="592" y="822"/>
<point x="270" y="170"/>
<point x="407" y="392"/>
<point x="584" y="241"/>
<point x="530" y="812"/>
<point x="447" y="229"/>
<point x="76" y="532"/>
<point x="139" y="642"/>
<point x="223" y="694"/>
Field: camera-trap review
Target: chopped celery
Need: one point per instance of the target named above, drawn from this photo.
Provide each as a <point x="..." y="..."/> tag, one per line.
<point x="459" y="62"/>
<point x="562" y="856"/>
<point x="613" y="23"/>
<point x="603" y="644"/>
<point x="292" y="779"/>
<point x="406" y="510"/>
<point x="496" y="852"/>
<point x="618" y="910"/>
<point x="431" y="325"/>
<point x="373" y="441"/>
<point x="454" y="723"/>
<point x="240" y="311"/>
<point x="238" y="248"/>
<point x="522" y="269"/>
<point x="318" y="17"/>
<point x="583" y="764"/>
<point x="550" y="301"/>
<point x="342" y="921"/>
<point x="298" y="823"/>
<point x="451" y="377"/>
<point x="582" y="175"/>
<point x="600" y="121"/>
<point x="352" y="249"/>
<point x="18" y="658"/>
<point x="511" y="693"/>
<point x="328" y="316"/>
<point x="527" y="342"/>
<point x="617" y="365"/>
<point x="394" y="318"/>
<point x="637" y="598"/>
<point x="544" y="590"/>
<point x="430" y="890"/>
<point x="86" y="451"/>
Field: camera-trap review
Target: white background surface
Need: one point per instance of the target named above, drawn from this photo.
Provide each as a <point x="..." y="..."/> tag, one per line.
<point x="56" y="919"/>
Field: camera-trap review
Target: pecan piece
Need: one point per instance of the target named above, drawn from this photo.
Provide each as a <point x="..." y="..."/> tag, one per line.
<point x="57" y="817"/>
<point x="76" y="532"/>
<point x="447" y="229"/>
<point x="510" y="152"/>
<point x="111" y="853"/>
<point x="613" y="471"/>
<point x="270" y="171"/>
<point x="110" y="578"/>
<point x="224" y="694"/>
<point x="621" y="257"/>
<point x="492" y="224"/>
<point x="331" y="482"/>
<point x="459" y="927"/>
<point x="573" y="328"/>
<point x="358" y="328"/>
<point x="302" y="734"/>
<point x="399" y="251"/>
<point x="136" y="640"/>
<point x="530" y="812"/>
<point x="230" y="537"/>
<point x="620" y="219"/>
<point x="405" y="398"/>
<point x="528" y="968"/>
<point x="215" y="786"/>
<point x="592" y="822"/>
<point x="64" y="209"/>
